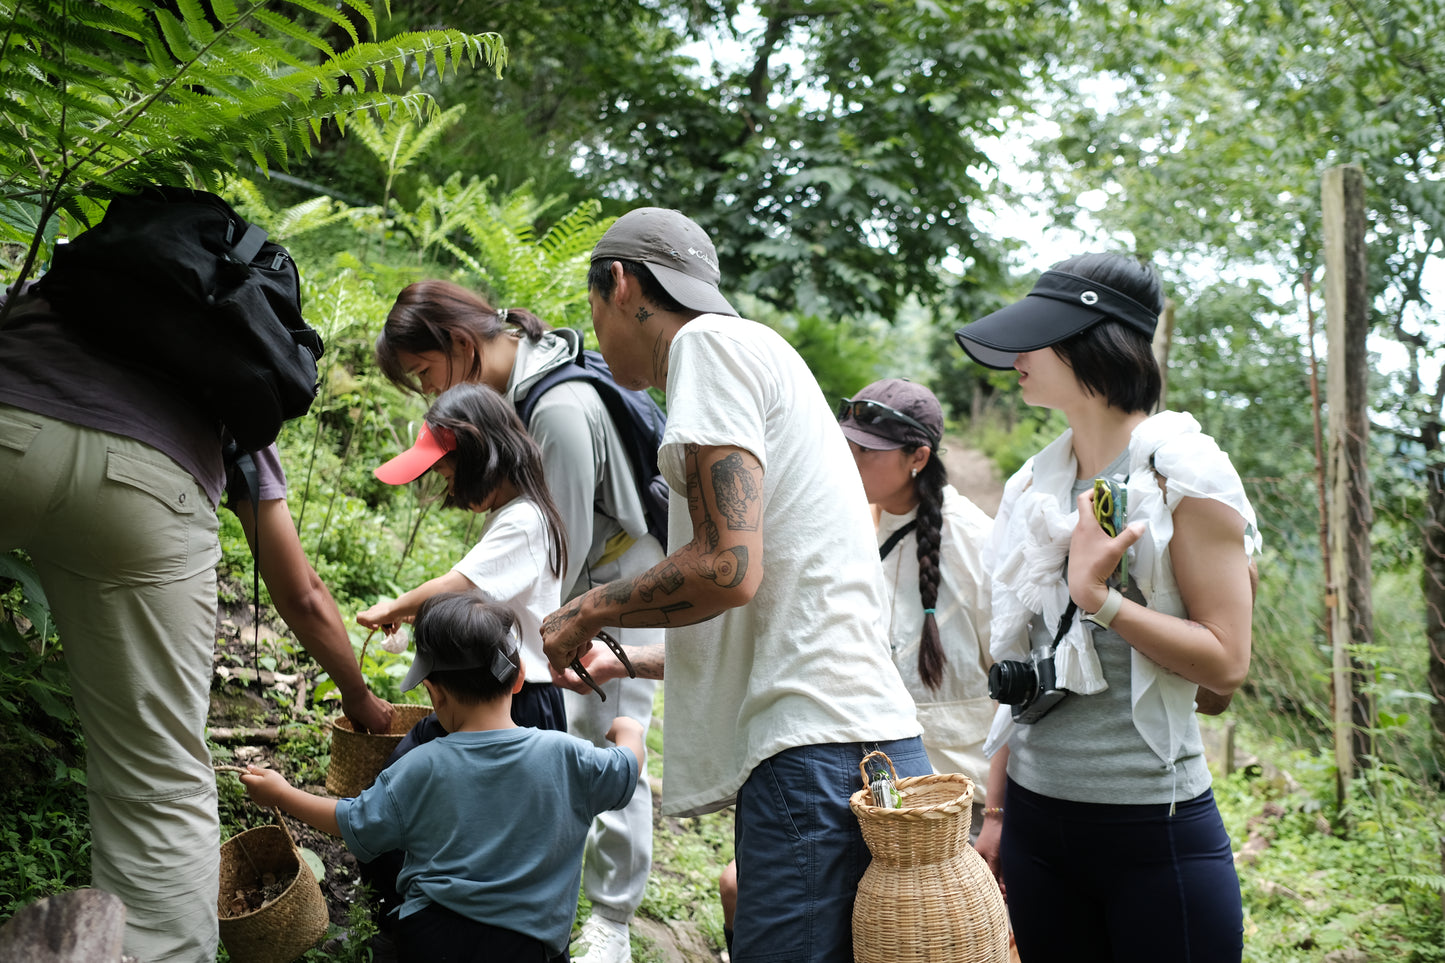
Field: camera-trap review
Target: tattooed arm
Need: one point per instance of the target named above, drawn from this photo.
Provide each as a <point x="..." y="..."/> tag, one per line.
<point x="719" y="569"/>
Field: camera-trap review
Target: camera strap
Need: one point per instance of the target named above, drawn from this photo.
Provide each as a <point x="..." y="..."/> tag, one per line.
<point x="895" y="538"/>
<point x="1065" y="620"/>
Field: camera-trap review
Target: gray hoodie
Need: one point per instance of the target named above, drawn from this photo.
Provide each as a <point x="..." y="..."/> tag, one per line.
<point x="583" y="459"/>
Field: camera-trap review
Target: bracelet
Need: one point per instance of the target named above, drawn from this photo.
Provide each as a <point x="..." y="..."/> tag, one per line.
<point x="993" y="810"/>
<point x="1108" y="610"/>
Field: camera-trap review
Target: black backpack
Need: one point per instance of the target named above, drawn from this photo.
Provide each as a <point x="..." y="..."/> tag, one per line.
<point x="174" y="282"/>
<point x="639" y="422"/>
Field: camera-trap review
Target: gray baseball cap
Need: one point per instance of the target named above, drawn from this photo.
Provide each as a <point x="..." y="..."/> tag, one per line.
<point x="680" y="254"/>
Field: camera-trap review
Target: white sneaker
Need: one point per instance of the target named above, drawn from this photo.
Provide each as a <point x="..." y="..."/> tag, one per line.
<point x="602" y="941"/>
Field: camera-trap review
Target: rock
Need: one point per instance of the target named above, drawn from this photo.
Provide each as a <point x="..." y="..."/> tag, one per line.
<point x="677" y="941"/>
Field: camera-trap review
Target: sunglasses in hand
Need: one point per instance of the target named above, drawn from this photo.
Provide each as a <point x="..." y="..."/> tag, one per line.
<point x="618" y="651"/>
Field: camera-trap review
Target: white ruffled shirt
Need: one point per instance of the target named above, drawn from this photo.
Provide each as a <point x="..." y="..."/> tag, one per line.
<point x="1030" y="546"/>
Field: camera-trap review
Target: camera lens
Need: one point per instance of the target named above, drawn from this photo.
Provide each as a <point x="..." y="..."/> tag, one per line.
<point x="1012" y="682"/>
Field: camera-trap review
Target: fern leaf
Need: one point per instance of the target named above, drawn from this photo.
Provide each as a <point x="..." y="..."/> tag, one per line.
<point x="288" y="28"/>
<point x="176" y="37"/>
<point x="196" y="23"/>
<point x="326" y="11"/>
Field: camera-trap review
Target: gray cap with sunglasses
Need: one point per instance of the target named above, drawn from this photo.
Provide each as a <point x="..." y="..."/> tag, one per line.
<point x="892" y="413"/>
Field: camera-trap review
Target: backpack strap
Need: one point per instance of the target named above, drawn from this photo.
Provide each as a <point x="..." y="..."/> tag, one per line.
<point x="246" y="249"/>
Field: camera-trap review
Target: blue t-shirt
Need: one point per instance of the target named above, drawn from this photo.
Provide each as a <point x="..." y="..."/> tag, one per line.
<point x="493" y="824"/>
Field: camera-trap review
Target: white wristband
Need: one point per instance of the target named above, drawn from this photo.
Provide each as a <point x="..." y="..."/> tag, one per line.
<point x="1107" y="611"/>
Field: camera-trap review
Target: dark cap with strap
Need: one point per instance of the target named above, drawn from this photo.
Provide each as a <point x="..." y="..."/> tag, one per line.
<point x="1060" y="306"/>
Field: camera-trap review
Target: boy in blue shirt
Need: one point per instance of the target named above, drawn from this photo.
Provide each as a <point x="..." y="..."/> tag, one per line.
<point x="492" y="817"/>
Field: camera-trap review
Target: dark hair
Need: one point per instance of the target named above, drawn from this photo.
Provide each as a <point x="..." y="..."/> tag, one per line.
<point x="453" y="623"/>
<point x="1112" y="359"/>
<point x="493" y="447"/>
<point x="928" y="486"/>
<point x="599" y="279"/>
<point x="428" y="316"/>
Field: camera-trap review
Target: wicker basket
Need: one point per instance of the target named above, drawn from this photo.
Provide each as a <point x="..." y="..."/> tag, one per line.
<point x="289" y="925"/>
<point x="356" y="757"/>
<point x="927" y="895"/>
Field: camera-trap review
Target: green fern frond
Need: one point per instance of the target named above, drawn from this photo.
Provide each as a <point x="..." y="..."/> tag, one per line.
<point x="104" y="96"/>
<point x="1427" y="881"/>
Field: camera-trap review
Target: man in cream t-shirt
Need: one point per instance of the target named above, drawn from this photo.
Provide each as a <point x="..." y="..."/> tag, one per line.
<point x="780" y="679"/>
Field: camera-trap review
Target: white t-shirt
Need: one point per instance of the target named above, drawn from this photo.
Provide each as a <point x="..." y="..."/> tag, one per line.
<point x="510" y="565"/>
<point x="956" y="716"/>
<point x="806" y="661"/>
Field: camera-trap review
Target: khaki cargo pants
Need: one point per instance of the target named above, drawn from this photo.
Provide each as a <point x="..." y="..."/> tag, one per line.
<point x="125" y="544"/>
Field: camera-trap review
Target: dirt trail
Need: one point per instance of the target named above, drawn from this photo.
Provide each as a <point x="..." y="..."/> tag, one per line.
<point x="972" y="473"/>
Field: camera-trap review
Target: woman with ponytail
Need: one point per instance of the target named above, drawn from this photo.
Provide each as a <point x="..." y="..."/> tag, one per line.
<point x="931" y="541"/>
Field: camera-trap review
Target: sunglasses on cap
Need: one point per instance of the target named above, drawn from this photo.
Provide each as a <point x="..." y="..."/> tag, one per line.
<point x="867" y="412"/>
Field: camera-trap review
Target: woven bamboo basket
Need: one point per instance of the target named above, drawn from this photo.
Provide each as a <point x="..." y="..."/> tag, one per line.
<point x="356" y="757"/>
<point x="289" y="925"/>
<point x="927" y="895"/>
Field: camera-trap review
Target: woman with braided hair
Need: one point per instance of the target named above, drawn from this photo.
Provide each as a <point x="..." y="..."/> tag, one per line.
<point x="931" y="541"/>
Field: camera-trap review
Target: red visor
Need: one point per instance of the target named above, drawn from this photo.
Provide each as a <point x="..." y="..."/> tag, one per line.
<point x="419" y="458"/>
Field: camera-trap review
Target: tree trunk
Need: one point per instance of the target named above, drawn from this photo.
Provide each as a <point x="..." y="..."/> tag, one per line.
<point x="1351" y="511"/>
<point x="1433" y="577"/>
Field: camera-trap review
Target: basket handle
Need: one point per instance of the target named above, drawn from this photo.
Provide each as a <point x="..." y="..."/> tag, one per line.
<point x="274" y="810"/>
<point x="361" y="659"/>
<point x="863" y="766"/>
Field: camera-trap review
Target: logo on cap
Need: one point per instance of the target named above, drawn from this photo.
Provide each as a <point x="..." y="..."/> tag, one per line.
<point x="1089" y="297"/>
<point x="702" y="256"/>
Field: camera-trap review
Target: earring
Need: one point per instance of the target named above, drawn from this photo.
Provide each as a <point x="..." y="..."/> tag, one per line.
<point x="914" y="472"/>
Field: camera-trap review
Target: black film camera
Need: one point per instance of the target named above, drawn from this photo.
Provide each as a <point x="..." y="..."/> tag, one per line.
<point x="1027" y="686"/>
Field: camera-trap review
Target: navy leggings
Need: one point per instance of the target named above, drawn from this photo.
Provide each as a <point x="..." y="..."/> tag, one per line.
<point x="1095" y="883"/>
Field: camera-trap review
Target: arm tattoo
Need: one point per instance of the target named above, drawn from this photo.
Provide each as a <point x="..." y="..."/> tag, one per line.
<point x="667" y="580"/>
<point x="736" y="491"/>
<point x="565" y="614"/>
<point x="728" y="568"/>
<point x="648" y="660"/>
<point x="652" y="618"/>
<point x="708" y="532"/>
<point x="618" y="592"/>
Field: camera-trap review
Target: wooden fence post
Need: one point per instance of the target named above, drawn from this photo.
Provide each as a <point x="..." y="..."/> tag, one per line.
<point x="1347" y="315"/>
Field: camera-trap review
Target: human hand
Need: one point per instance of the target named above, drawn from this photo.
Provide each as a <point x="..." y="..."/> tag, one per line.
<point x="566" y="637"/>
<point x="599" y="662"/>
<point x="381" y="615"/>
<point x="987" y="846"/>
<point x="367" y="712"/>
<point x="266" y="787"/>
<point x="624" y="728"/>
<point x="1094" y="555"/>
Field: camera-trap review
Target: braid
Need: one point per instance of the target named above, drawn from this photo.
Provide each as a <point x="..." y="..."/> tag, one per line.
<point x="929" y="486"/>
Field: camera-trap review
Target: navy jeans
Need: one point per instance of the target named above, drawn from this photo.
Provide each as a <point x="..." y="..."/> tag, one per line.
<point x="1095" y="883"/>
<point x="801" y="853"/>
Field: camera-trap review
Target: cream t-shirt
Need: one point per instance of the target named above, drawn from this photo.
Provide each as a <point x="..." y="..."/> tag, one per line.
<point x="806" y="662"/>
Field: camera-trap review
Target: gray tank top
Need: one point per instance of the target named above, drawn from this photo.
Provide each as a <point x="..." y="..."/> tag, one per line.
<point x="1087" y="749"/>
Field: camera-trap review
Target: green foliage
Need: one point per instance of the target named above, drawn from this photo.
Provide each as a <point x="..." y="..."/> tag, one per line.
<point x="44" y="834"/>
<point x="835" y="154"/>
<point x="103" y="98"/>
<point x="1362" y="880"/>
